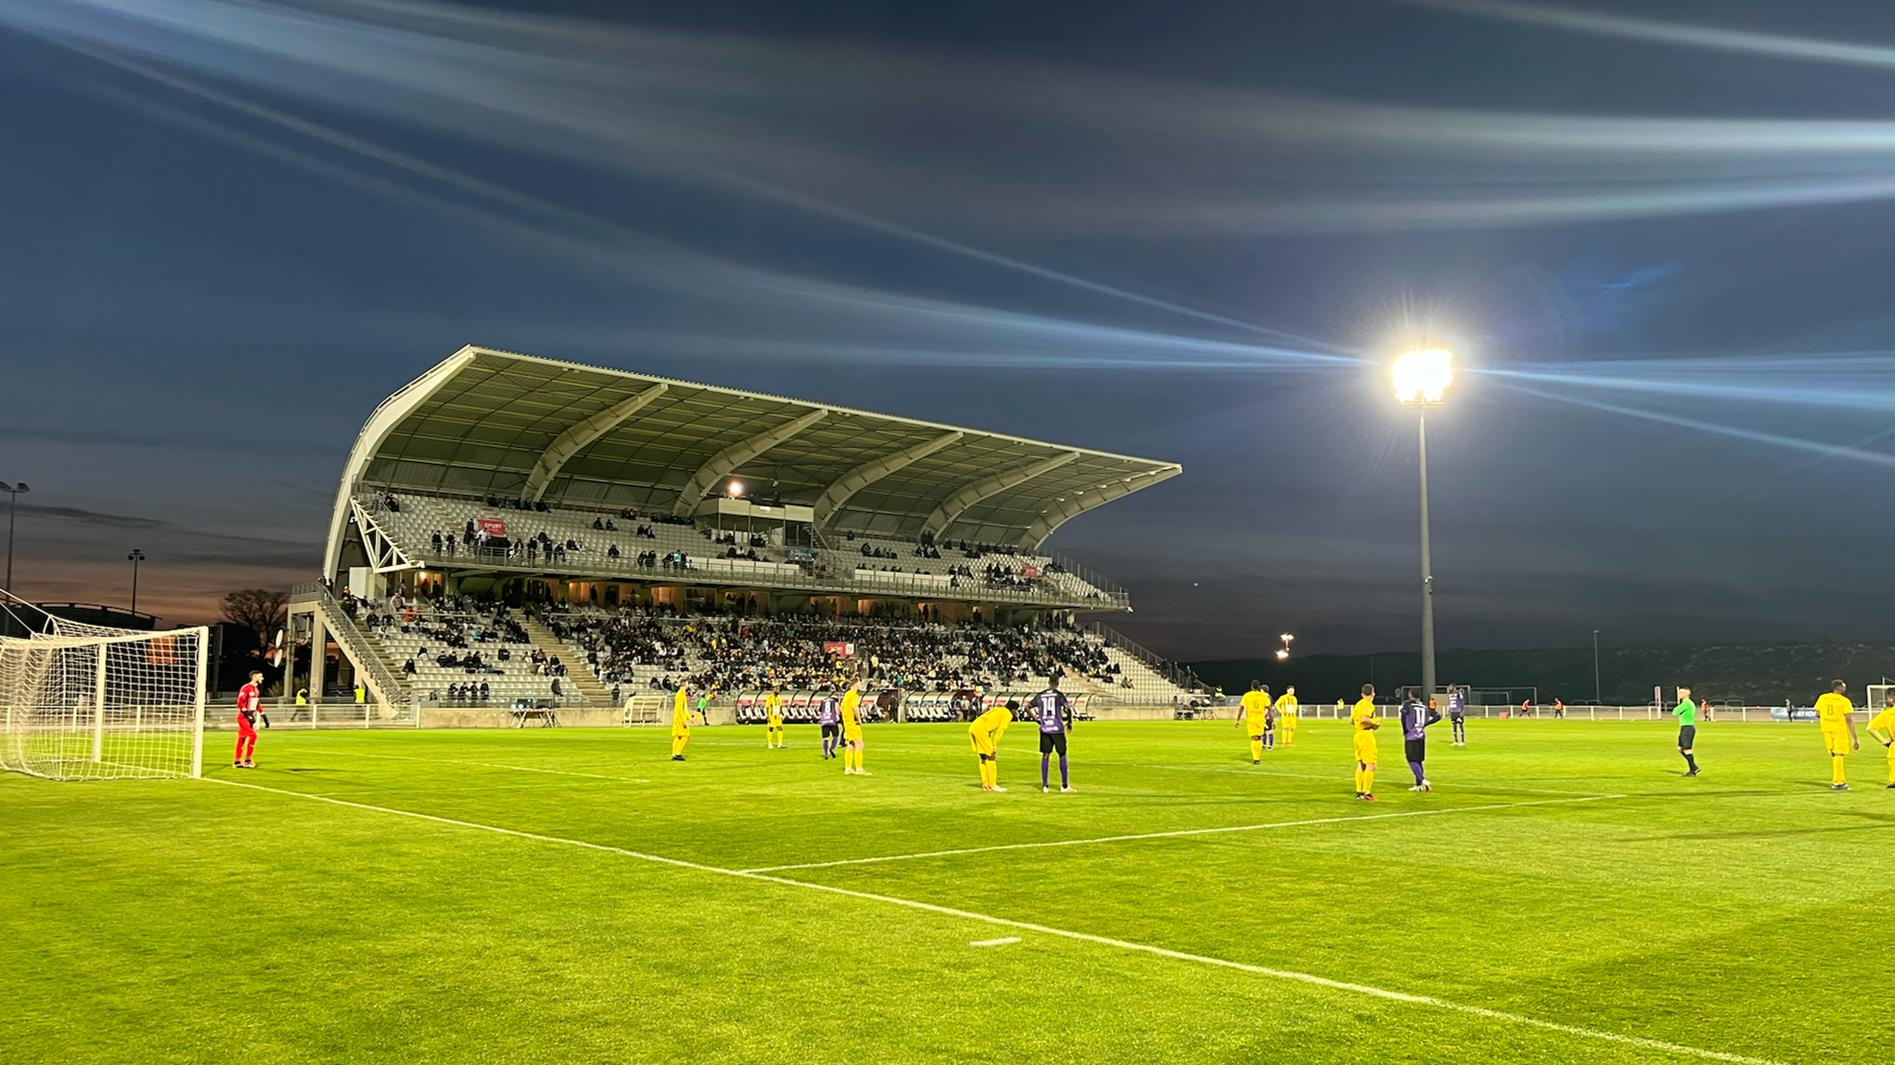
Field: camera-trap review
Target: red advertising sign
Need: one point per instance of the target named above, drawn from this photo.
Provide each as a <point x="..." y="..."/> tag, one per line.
<point x="491" y="526"/>
<point x="1030" y="572"/>
<point x="839" y="649"/>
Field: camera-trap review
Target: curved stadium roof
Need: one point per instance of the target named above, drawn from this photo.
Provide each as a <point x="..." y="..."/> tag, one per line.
<point x="498" y="423"/>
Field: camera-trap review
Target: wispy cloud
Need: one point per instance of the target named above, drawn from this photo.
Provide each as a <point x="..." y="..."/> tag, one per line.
<point x="806" y="124"/>
<point x="75" y="553"/>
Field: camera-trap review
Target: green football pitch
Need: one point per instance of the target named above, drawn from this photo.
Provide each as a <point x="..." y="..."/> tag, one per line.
<point x="568" y="895"/>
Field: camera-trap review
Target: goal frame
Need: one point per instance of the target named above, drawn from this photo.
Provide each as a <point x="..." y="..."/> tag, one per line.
<point x="1875" y="698"/>
<point x="99" y="641"/>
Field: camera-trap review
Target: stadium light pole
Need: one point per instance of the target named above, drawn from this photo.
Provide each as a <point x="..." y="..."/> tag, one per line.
<point x="135" y="558"/>
<point x="1595" y="667"/>
<point x="14" y="492"/>
<point x="1421" y="379"/>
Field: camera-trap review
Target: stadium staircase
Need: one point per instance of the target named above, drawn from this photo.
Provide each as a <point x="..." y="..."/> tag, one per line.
<point x="1154" y="682"/>
<point x="366" y="655"/>
<point x="578" y="679"/>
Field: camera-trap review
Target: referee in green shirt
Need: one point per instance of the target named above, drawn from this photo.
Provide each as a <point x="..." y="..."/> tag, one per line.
<point x="1687" y="713"/>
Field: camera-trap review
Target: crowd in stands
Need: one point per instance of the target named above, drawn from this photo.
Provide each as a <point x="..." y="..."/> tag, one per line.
<point x="729" y="653"/>
<point x="457" y="623"/>
<point x="612" y="541"/>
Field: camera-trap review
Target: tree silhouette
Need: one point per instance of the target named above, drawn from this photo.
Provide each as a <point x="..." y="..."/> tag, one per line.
<point x="260" y="610"/>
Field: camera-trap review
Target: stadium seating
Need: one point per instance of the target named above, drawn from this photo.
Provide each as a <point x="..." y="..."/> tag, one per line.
<point x="420" y="517"/>
<point x="641" y="651"/>
<point x="440" y="639"/>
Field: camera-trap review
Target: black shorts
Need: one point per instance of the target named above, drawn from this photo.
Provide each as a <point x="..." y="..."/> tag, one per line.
<point x="1052" y="741"/>
<point x="1687" y="735"/>
<point x="831" y="730"/>
<point x="1415" y="750"/>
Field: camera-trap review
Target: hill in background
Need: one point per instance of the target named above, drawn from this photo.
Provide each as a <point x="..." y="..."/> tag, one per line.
<point x="1746" y="674"/>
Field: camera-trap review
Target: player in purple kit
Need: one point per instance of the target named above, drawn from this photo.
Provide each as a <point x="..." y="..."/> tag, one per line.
<point x="1416" y="717"/>
<point x="1055" y="715"/>
<point x="829" y="716"/>
<point x="1457" y="713"/>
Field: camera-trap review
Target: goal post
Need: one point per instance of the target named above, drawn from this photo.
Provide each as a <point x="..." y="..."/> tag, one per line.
<point x="89" y="703"/>
<point x="1877" y="698"/>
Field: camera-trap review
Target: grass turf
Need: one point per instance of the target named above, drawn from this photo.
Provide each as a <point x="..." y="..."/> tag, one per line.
<point x="1742" y="913"/>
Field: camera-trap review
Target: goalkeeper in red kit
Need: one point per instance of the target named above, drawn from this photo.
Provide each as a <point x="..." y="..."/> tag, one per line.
<point x="249" y="706"/>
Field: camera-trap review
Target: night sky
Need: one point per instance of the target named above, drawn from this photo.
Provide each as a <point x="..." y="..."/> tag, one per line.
<point x="1188" y="232"/>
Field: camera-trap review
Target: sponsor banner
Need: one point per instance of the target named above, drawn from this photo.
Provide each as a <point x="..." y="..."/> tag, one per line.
<point x="491" y="526"/>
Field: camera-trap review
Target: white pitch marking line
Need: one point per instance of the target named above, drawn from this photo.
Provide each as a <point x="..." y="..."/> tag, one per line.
<point x="1001" y="942"/>
<point x="496" y="765"/>
<point x="1027" y="926"/>
<point x="1256" y="771"/>
<point x="1174" y="834"/>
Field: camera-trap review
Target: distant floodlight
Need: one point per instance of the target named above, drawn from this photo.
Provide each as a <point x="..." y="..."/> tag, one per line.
<point x="1422" y="376"/>
<point x="1282" y="653"/>
<point x="734" y="489"/>
<point x="1287" y="637"/>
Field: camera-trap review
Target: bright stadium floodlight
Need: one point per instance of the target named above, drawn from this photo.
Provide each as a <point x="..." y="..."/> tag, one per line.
<point x="1282" y="653"/>
<point x="734" y="489"/>
<point x="1422" y="376"/>
<point x="1287" y="637"/>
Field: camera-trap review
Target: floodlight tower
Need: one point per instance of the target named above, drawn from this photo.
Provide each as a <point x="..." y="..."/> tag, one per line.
<point x="13" y="491"/>
<point x="135" y="558"/>
<point x="1422" y="378"/>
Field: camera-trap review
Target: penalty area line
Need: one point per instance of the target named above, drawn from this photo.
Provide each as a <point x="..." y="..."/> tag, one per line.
<point x="497" y="765"/>
<point x="1174" y="834"/>
<point x="1290" y="975"/>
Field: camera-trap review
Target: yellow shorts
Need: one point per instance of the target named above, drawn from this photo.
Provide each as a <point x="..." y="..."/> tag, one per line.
<point x="1254" y="728"/>
<point x="773" y="723"/>
<point x="852" y="735"/>
<point x="982" y="742"/>
<point x="680" y="733"/>
<point x="1365" y="747"/>
<point x="1836" y="742"/>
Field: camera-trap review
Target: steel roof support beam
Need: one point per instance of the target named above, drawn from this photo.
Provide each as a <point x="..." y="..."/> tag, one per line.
<point x="727" y="460"/>
<point x="967" y="495"/>
<point x="874" y="470"/>
<point x="1063" y="511"/>
<point x="380" y="423"/>
<point x="578" y="437"/>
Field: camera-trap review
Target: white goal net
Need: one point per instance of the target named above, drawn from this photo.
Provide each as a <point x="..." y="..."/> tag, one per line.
<point x="83" y="702"/>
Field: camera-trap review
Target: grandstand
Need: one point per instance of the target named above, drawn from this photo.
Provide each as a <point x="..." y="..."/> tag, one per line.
<point x="516" y="531"/>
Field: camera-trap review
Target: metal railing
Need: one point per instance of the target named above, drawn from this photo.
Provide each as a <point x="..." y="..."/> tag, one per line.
<point x="1179" y="676"/>
<point x="358" y="646"/>
<point x="742" y="572"/>
<point x="712" y="569"/>
<point x="1749" y="714"/>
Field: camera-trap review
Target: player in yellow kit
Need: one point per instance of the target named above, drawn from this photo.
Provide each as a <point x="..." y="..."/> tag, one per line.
<point x="1364" y="721"/>
<point x="1286" y="709"/>
<point x="1882" y="727"/>
<point x="680" y="722"/>
<point x="1255" y="719"/>
<point x="852" y="730"/>
<point x="984" y="734"/>
<point x="1833" y="711"/>
<point x="773" y="721"/>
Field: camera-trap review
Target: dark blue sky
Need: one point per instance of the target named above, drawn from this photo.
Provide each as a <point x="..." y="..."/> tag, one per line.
<point x="1183" y="231"/>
